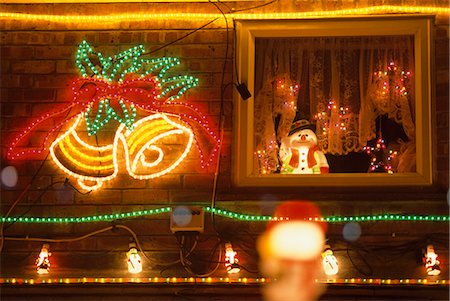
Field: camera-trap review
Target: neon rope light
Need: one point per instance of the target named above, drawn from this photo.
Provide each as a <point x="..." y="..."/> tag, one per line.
<point x="122" y="83"/>
<point x="159" y="131"/>
<point x="225" y="213"/>
<point x="203" y="16"/>
<point x="223" y="280"/>
<point x="94" y="218"/>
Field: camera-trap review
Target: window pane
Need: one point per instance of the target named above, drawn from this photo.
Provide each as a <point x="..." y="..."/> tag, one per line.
<point x="334" y="105"/>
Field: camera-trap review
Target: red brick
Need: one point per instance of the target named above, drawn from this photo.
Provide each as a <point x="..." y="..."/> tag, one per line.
<point x="125" y="37"/>
<point x="22" y="38"/>
<point x="39" y="94"/>
<point x="98" y="197"/>
<point x="54" y="52"/>
<point x="442" y="77"/>
<point x="196" y="195"/>
<point x="152" y="37"/>
<point x="209" y="94"/>
<point x="18" y="110"/>
<point x="198" y="181"/>
<point x="11" y="94"/>
<point x="442" y="62"/>
<point x="124" y="181"/>
<point x="39" y="109"/>
<point x="6" y="37"/>
<point x="66" y="66"/>
<point x="215" y="108"/>
<point x="5" y="67"/>
<point x="145" y="196"/>
<point x="41" y="183"/>
<point x="26" y="80"/>
<point x="207" y="51"/>
<point x="35" y="67"/>
<point x="11" y="81"/>
<point x="442" y="163"/>
<point x="443" y="148"/>
<point x="43" y="38"/>
<point x="17" y="52"/>
<point x="168" y="36"/>
<point x="54" y="81"/>
<point x="73" y="38"/>
<point x="442" y="89"/>
<point x="442" y="103"/>
<point x="442" y="119"/>
<point x="207" y="37"/>
<point x="107" y="38"/>
<point x="169" y="181"/>
<point x="442" y="135"/>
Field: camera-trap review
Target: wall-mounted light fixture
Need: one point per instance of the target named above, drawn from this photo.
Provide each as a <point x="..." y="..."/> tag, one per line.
<point x="133" y="259"/>
<point x="43" y="262"/>
<point x="329" y="261"/>
<point x="431" y="262"/>
<point x="231" y="261"/>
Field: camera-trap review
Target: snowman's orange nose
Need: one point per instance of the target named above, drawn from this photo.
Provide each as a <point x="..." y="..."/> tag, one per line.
<point x="303" y="137"/>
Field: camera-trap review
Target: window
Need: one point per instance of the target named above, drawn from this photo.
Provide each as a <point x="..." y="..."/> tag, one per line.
<point x="334" y="102"/>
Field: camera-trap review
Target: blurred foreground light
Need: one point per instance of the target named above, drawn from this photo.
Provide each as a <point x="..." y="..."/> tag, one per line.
<point x="182" y="216"/>
<point x="296" y="240"/>
<point x="351" y="231"/>
<point x="9" y="176"/>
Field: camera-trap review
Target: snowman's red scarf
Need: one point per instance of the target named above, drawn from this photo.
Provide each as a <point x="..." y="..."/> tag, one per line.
<point x="296" y="157"/>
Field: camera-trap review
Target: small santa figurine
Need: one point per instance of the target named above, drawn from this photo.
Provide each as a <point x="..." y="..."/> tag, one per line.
<point x="299" y="152"/>
<point x="43" y="262"/>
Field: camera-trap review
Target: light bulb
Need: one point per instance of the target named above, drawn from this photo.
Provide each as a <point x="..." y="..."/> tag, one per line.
<point x="329" y="261"/>
<point x="43" y="262"/>
<point x="133" y="259"/>
<point x="431" y="262"/>
<point x="231" y="262"/>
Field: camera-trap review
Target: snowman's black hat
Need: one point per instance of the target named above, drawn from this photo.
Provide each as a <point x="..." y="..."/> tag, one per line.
<point x="301" y="124"/>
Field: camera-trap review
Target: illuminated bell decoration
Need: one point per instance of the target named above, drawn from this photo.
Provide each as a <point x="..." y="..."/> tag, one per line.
<point x="144" y="152"/>
<point x="133" y="259"/>
<point x="135" y="107"/>
<point x="231" y="261"/>
<point x="43" y="262"/>
<point x="329" y="261"/>
<point x="431" y="262"/>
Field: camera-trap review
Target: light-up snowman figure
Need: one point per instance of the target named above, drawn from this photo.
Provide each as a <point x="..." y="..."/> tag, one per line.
<point x="299" y="152"/>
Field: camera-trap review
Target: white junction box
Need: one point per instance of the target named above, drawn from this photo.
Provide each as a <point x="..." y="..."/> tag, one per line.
<point x="187" y="219"/>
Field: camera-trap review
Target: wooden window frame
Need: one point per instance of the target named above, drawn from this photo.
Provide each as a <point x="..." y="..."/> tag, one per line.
<point x="420" y="26"/>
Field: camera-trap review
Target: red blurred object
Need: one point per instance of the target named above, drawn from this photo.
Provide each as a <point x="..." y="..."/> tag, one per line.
<point x="297" y="210"/>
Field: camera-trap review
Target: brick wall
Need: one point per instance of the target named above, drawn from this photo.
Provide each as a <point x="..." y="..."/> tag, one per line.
<point x="37" y="65"/>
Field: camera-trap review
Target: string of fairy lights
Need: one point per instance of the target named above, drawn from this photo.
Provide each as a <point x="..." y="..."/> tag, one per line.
<point x="179" y="85"/>
<point x="216" y="280"/>
<point x="224" y="213"/>
<point x="202" y="16"/>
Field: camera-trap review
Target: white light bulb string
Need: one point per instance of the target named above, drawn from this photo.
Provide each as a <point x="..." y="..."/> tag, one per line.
<point x="68" y="240"/>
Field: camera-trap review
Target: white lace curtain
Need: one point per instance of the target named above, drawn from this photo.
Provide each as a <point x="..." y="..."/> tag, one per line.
<point x="344" y="84"/>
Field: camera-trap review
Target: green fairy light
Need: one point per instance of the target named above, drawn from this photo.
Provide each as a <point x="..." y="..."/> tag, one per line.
<point x="220" y="212"/>
<point x="105" y="113"/>
<point x="116" y="68"/>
